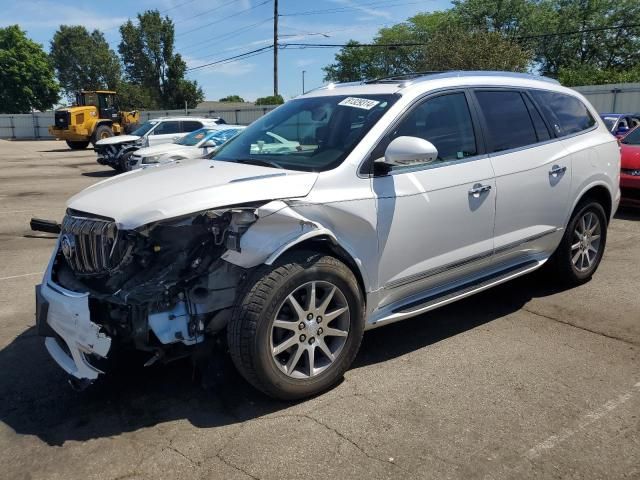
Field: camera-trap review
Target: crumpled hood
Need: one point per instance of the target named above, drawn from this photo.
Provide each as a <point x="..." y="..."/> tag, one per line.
<point x="161" y="149"/>
<point x="143" y="196"/>
<point x="630" y="156"/>
<point x="117" y="139"/>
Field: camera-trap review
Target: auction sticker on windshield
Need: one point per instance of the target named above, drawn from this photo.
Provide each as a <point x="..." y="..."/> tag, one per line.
<point x="363" y="103"/>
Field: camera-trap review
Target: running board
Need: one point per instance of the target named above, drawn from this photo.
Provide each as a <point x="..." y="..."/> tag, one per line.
<point x="458" y="292"/>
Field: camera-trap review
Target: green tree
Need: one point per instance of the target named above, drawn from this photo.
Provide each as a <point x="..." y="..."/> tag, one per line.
<point x="613" y="49"/>
<point x="232" y="98"/>
<point x="502" y="16"/>
<point x="590" y="75"/>
<point x="437" y="41"/>
<point x="270" y="100"/>
<point x="84" y="60"/>
<point x="149" y="61"/>
<point x="27" y="78"/>
<point x="473" y="50"/>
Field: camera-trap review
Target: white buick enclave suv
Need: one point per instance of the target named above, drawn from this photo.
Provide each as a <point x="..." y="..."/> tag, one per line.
<point x="385" y="200"/>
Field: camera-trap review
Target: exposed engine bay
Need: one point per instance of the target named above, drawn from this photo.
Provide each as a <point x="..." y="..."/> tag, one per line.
<point x="160" y="287"/>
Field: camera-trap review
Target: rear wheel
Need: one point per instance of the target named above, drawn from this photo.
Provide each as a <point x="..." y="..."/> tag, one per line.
<point x="298" y="326"/>
<point x="101" y="132"/>
<point x="583" y="244"/>
<point x="77" y="145"/>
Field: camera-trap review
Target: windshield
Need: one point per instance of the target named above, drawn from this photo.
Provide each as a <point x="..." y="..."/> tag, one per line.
<point x="610" y="122"/>
<point x="195" y="137"/>
<point x="633" y="137"/>
<point x="309" y="134"/>
<point x="142" y="130"/>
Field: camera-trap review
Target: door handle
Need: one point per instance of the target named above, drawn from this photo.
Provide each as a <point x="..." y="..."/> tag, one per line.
<point x="478" y="189"/>
<point x="557" y="170"/>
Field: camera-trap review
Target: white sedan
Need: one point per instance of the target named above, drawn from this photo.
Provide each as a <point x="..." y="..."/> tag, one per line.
<point x="194" y="145"/>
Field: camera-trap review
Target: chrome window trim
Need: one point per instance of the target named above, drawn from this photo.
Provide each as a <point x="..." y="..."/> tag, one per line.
<point x="423" y="97"/>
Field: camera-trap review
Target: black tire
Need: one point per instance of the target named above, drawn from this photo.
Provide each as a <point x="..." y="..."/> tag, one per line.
<point x="77" y="145"/>
<point x="250" y="328"/>
<point x="123" y="163"/>
<point x="101" y="131"/>
<point x="561" y="263"/>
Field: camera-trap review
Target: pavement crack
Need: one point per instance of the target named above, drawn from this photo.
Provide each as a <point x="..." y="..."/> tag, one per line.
<point x="344" y="437"/>
<point x="234" y="466"/>
<point x="580" y="327"/>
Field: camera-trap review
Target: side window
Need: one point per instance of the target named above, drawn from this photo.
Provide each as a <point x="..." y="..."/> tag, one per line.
<point x="571" y="114"/>
<point x="191" y="125"/>
<point x="166" y="128"/>
<point x="444" y="121"/>
<point x="507" y="120"/>
<point x="542" y="132"/>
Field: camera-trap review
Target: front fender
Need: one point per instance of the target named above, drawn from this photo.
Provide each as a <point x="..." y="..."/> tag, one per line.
<point x="277" y="229"/>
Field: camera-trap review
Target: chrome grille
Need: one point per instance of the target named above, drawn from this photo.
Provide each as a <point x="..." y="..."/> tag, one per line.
<point x="91" y="246"/>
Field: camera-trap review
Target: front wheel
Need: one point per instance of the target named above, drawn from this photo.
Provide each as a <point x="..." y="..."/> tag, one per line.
<point x="297" y="326"/>
<point x="582" y="246"/>
<point x="101" y="132"/>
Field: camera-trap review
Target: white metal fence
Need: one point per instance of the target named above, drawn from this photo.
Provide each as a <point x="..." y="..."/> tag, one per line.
<point x="35" y="125"/>
<point x="614" y="98"/>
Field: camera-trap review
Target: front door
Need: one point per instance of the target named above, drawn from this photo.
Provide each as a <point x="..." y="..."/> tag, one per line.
<point x="435" y="221"/>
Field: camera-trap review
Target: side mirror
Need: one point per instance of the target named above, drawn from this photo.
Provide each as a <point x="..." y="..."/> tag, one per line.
<point x="406" y="152"/>
<point x="209" y="144"/>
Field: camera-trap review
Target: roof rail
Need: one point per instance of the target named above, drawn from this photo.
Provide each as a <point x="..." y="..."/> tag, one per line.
<point x="424" y="76"/>
<point x="403" y="76"/>
<point x="489" y="73"/>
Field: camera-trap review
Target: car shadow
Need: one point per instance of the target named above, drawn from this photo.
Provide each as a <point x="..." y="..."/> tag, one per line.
<point x="66" y="150"/>
<point x="100" y="174"/>
<point x="627" y="213"/>
<point x="38" y="401"/>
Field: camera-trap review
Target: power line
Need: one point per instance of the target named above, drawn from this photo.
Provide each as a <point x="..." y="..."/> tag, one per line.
<point x="235" y="57"/>
<point x="206" y="12"/>
<point x="421" y="44"/>
<point x="224" y="18"/>
<point x="349" y="8"/>
<point x="178" y="6"/>
<point x="224" y="36"/>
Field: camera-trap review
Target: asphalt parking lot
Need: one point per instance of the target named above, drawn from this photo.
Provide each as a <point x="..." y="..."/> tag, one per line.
<point x="524" y="381"/>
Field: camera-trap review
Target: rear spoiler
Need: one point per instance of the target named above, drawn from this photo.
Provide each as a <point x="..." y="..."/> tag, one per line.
<point x="48" y="226"/>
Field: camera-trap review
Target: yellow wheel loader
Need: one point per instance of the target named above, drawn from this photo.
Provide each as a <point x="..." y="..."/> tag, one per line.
<point x="95" y="115"/>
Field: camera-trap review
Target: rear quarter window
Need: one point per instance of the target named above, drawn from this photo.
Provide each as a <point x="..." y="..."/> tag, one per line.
<point x="566" y="113"/>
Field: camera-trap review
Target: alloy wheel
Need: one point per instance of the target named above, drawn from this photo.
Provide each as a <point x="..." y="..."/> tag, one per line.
<point x="586" y="242"/>
<point x="310" y="329"/>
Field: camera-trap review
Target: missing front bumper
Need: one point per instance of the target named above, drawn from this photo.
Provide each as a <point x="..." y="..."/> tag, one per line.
<point x="70" y="336"/>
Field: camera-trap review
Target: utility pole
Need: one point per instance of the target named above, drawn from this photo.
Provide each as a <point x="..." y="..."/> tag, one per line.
<point x="275" y="47"/>
<point x="303" y="72"/>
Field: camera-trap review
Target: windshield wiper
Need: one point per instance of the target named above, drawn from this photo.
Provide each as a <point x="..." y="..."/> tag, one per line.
<point x="259" y="162"/>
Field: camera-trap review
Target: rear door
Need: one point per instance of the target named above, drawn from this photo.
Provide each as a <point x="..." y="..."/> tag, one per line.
<point x="533" y="174"/>
<point x="165" y="132"/>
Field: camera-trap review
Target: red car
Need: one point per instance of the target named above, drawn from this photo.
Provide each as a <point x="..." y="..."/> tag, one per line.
<point x="630" y="168"/>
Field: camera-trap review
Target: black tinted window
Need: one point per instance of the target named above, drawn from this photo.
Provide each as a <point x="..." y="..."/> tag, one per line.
<point x="446" y="122"/>
<point x="568" y="114"/>
<point x="191" y="125"/>
<point x="508" y="121"/>
<point x="167" y="128"/>
<point x="542" y="131"/>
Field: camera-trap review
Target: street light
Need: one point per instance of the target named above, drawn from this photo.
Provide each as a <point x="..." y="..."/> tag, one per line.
<point x="303" y="72"/>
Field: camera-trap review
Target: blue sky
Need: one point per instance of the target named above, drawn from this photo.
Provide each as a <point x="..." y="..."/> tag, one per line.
<point x="205" y="34"/>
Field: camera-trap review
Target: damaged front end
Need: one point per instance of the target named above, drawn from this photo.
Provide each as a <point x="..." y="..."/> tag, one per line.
<point x="161" y="288"/>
